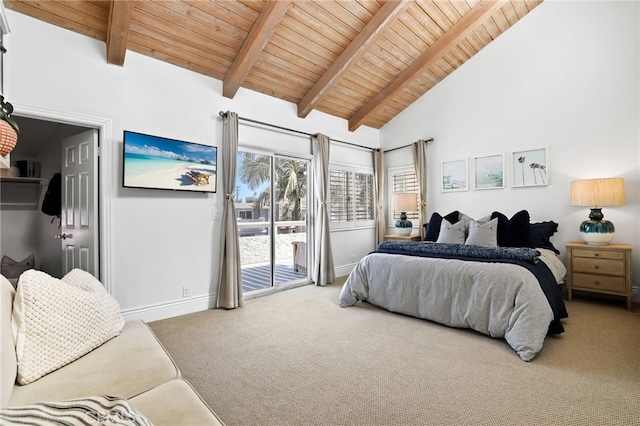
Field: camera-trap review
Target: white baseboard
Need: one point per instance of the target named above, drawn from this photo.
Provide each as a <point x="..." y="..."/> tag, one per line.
<point x="344" y="270"/>
<point x="171" y="309"/>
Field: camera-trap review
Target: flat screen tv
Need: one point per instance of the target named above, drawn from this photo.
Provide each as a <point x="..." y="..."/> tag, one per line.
<point x="160" y="163"/>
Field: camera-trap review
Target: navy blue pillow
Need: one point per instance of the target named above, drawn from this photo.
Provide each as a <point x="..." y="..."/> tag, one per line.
<point x="433" y="230"/>
<point x="541" y="233"/>
<point x="513" y="232"/>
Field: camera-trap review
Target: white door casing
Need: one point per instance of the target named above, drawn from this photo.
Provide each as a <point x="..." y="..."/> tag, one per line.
<point x="79" y="225"/>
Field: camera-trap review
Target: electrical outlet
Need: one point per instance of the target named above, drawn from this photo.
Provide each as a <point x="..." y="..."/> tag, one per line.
<point x="353" y="258"/>
<point x="186" y="291"/>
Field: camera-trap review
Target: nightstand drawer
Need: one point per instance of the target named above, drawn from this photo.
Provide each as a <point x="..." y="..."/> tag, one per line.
<point x="599" y="266"/>
<point x="598" y="254"/>
<point x="601" y="283"/>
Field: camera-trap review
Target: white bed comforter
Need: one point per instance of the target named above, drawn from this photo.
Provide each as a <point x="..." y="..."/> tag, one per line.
<point x="498" y="299"/>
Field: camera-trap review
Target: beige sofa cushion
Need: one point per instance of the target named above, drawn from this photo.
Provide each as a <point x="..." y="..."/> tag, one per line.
<point x="9" y="365"/>
<point x="57" y="321"/>
<point x="174" y="404"/>
<point x="125" y="366"/>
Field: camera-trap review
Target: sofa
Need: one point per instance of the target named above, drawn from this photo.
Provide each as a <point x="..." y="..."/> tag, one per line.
<point x="132" y="366"/>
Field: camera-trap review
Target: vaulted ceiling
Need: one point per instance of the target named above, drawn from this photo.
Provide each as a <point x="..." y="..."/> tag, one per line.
<point x="361" y="60"/>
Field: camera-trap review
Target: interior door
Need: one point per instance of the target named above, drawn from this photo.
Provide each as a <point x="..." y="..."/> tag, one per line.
<point x="79" y="224"/>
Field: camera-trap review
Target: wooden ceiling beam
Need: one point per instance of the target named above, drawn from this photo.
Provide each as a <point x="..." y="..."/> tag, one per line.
<point x="354" y="51"/>
<point x="454" y="36"/>
<point x="120" y="13"/>
<point x="256" y="40"/>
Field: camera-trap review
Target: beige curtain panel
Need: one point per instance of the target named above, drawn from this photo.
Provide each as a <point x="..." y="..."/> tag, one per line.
<point x="378" y="171"/>
<point x="230" y="278"/>
<point x="323" y="271"/>
<point x="419" y="150"/>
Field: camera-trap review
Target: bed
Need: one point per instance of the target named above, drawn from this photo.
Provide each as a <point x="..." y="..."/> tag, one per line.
<point x="504" y="292"/>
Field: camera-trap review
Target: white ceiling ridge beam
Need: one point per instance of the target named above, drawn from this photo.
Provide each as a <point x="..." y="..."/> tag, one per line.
<point x="256" y="40"/>
<point x="120" y="13"/>
<point x="455" y="35"/>
<point x="366" y="38"/>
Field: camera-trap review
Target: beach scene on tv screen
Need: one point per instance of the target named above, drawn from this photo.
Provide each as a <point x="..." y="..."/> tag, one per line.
<point x="155" y="162"/>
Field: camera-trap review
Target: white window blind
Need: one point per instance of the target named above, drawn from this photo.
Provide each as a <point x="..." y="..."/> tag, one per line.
<point x="364" y="203"/>
<point x="352" y="197"/>
<point x="341" y="195"/>
<point x="405" y="181"/>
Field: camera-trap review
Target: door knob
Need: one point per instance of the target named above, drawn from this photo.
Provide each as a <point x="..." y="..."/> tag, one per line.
<point x="63" y="236"/>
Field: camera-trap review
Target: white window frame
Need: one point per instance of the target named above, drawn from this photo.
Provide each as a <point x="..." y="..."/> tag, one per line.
<point x="413" y="216"/>
<point x="353" y="223"/>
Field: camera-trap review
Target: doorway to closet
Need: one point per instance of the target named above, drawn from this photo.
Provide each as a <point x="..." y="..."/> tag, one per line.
<point x="26" y="231"/>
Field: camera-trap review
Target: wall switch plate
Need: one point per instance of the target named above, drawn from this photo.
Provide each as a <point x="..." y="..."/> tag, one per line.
<point x="215" y="215"/>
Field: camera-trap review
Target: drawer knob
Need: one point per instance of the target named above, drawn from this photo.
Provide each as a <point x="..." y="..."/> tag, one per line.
<point x="597" y="254"/>
<point x="597" y="282"/>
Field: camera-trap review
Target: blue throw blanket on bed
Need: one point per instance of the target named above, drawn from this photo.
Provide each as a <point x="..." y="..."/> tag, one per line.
<point x="460" y="250"/>
<point x="525" y="257"/>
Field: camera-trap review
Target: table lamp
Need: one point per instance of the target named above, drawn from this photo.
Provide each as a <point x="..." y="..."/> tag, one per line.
<point x="404" y="202"/>
<point x="597" y="193"/>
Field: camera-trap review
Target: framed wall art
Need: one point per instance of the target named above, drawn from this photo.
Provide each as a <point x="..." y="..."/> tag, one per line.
<point x="530" y="168"/>
<point x="489" y="172"/>
<point x="455" y="176"/>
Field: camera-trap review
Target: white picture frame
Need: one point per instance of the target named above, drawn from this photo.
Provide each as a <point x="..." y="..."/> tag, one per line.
<point x="488" y="172"/>
<point x="454" y="176"/>
<point x="530" y="168"/>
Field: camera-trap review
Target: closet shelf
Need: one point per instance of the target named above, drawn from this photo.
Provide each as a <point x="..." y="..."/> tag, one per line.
<point x="19" y="193"/>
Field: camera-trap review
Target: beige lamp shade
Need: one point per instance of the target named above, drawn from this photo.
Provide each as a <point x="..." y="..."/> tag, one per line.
<point x="404" y="201"/>
<point x="598" y="192"/>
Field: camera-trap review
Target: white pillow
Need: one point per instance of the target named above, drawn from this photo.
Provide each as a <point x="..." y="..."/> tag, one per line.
<point x="55" y="322"/>
<point x="483" y="234"/>
<point x="467" y="221"/>
<point x="451" y="234"/>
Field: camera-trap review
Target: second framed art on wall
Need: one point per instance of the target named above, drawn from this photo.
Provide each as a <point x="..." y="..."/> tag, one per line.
<point x="489" y="172"/>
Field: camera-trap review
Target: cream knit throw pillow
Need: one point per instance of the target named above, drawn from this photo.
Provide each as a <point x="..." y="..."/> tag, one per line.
<point x="57" y="321"/>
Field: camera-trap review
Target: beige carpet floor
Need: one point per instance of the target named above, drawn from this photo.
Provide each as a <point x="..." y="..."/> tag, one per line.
<point x="297" y="358"/>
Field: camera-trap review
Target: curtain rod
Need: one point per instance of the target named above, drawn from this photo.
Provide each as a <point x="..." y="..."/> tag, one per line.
<point x="223" y="114"/>
<point x="405" y="146"/>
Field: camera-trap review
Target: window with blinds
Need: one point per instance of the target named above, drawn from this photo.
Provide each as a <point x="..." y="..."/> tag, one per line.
<point x="364" y="203"/>
<point x="341" y="195"/>
<point x="352" y="196"/>
<point x="405" y="181"/>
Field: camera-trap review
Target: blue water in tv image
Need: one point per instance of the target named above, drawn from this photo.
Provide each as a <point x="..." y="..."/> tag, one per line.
<point x="161" y="163"/>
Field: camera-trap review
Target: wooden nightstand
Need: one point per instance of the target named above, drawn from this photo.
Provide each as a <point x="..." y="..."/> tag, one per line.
<point x="396" y="237"/>
<point x="599" y="269"/>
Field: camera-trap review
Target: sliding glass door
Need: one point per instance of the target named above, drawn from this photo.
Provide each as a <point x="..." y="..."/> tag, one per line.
<point x="271" y="206"/>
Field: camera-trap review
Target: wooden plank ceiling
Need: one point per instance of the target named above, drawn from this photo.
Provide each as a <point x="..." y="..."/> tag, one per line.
<point x="361" y="60"/>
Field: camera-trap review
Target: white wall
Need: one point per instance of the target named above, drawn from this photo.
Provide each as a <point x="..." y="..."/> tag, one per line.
<point x="160" y="241"/>
<point x="566" y="77"/>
